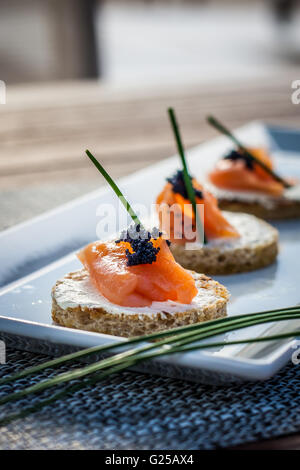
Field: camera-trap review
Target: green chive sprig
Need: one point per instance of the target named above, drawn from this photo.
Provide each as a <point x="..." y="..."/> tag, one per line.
<point x="228" y="321"/>
<point x="174" y="341"/>
<point x="221" y="128"/>
<point x="122" y="366"/>
<point x="186" y="175"/>
<point x="115" y="188"/>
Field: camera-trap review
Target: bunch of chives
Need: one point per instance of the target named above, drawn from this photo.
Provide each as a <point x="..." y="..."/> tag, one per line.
<point x="178" y="340"/>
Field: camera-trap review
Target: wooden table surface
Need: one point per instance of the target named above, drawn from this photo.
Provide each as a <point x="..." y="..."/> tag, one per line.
<point x="45" y="129"/>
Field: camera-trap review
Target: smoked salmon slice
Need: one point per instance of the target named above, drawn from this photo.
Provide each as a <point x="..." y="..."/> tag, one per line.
<point x="235" y="172"/>
<point x="138" y="285"/>
<point x="214" y="222"/>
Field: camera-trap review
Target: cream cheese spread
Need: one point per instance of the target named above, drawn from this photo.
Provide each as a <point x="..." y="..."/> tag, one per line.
<point x="72" y="293"/>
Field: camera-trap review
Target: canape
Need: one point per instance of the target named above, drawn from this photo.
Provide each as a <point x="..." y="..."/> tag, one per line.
<point x="133" y="285"/>
<point x="234" y="242"/>
<point x="241" y="185"/>
<point x="245" y="180"/>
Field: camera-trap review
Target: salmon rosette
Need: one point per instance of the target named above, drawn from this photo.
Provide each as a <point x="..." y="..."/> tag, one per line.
<point x="237" y="172"/>
<point x="136" y="271"/>
<point x="177" y="217"/>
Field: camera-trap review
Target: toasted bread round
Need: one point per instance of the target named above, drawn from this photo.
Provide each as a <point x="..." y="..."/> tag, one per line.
<point x="256" y="248"/>
<point x="76" y="303"/>
<point x="286" y="206"/>
<point x="280" y="209"/>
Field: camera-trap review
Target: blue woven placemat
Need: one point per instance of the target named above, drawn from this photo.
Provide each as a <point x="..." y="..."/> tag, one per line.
<point x="137" y="411"/>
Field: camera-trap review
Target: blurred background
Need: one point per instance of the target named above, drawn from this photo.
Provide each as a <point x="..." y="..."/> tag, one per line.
<point x="100" y="74"/>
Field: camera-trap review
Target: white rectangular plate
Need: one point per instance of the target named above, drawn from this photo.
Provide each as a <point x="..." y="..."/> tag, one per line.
<point x="25" y="304"/>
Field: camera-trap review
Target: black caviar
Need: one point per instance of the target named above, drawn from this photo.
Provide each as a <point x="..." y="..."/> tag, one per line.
<point x="178" y="185"/>
<point x="143" y="250"/>
<point x="235" y="155"/>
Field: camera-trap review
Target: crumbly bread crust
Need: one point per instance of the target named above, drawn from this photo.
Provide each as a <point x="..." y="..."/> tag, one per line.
<point x="234" y="257"/>
<point x="101" y="320"/>
<point x="212" y="261"/>
<point x="281" y="209"/>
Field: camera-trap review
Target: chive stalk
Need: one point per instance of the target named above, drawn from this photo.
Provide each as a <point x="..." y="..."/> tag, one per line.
<point x="186" y="175"/>
<point x="153" y="336"/>
<point x="133" y="361"/>
<point x="179" y="340"/>
<point x="115" y="188"/>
